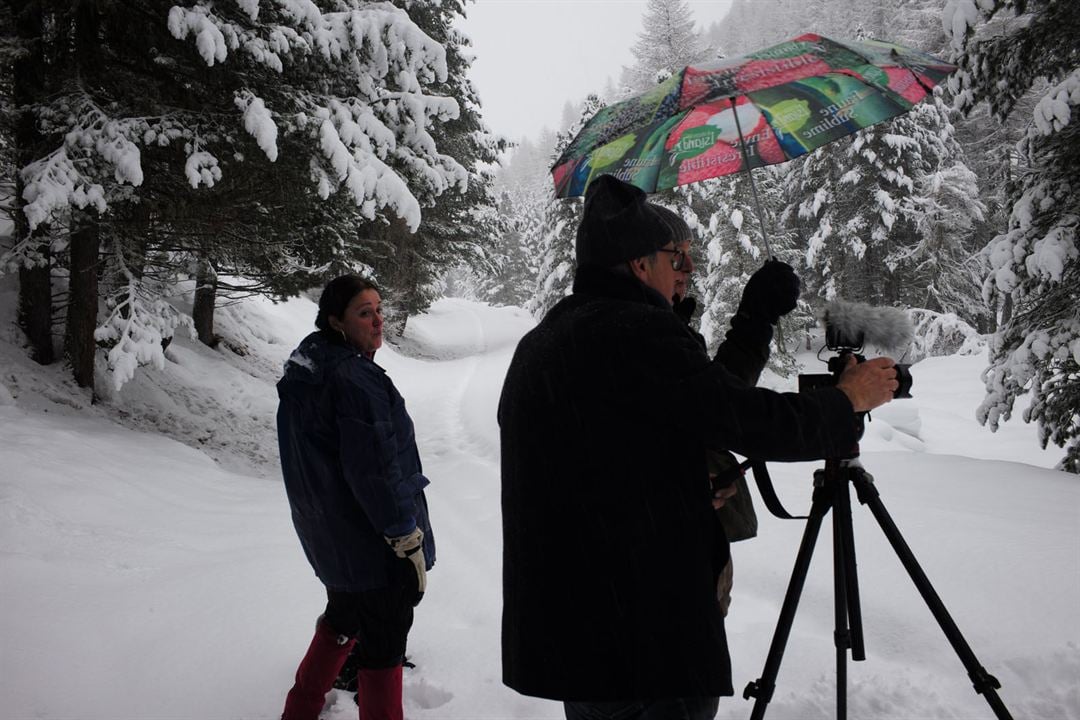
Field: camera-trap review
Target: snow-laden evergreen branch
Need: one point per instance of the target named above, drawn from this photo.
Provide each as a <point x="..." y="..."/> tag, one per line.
<point x="353" y="85"/>
<point x="96" y="149"/>
<point x="139" y="320"/>
<point x="937" y="334"/>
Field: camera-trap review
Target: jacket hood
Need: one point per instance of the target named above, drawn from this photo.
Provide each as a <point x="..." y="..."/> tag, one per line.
<point x="316" y="355"/>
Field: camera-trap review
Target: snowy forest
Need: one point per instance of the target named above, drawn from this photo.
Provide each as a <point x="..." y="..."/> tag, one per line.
<point x="260" y="147"/>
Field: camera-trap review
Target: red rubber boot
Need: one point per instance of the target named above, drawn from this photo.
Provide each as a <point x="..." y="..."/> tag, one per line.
<point x="317" y="672"/>
<point x="379" y="694"/>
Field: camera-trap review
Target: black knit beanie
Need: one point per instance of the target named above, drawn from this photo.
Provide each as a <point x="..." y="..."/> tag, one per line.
<point x="619" y="224"/>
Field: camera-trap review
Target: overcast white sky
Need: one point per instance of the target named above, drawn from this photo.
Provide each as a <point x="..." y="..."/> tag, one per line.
<point x="534" y="55"/>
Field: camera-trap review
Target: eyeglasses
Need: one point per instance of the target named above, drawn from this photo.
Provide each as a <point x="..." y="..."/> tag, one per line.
<point x="678" y="258"/>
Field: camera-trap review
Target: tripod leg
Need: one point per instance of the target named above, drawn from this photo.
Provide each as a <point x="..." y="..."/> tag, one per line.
<point x="985" y="683"/>
<point x="846" y="542"/>
<point x="763" y="687"/>
<point x="841" y="633"/>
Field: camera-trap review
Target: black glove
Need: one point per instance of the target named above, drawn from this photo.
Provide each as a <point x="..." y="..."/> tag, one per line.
<point x="410" y="548"/>
<point x="770" y="293"/>
<point x="684" y="307"/>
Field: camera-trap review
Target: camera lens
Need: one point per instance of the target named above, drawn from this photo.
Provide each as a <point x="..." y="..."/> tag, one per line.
<point x="903" y="376"/>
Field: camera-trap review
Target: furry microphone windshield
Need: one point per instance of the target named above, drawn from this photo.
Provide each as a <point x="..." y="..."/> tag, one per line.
<point x="853" y="325"/>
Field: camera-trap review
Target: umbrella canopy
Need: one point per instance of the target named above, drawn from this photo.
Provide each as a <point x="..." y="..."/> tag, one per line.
<point x="745" y="112"/>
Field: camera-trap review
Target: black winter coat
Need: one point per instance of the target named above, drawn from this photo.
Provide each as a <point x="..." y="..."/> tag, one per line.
<point x="351" y="467"/>
<point x="611" y="545"/>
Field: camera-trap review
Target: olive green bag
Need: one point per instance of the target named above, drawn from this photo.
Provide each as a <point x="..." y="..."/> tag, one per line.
<point x="737" y="516"/>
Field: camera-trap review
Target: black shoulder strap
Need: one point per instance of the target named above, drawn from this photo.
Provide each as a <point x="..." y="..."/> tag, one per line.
<point x="768" y="494"/>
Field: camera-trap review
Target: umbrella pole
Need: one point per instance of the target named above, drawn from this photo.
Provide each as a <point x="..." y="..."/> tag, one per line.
<point x="753" y="186"/>
<point x="781" y="344"/>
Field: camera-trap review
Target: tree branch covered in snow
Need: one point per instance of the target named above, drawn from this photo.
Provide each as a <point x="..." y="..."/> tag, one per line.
<point x="97" y="158"/>
<point x="139" y="322"/>
<point x="937" y="334"/>
<point x="349" y="83"/>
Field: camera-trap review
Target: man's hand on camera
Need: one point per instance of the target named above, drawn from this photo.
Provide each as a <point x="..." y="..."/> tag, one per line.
<point x="410" y="548"/>
<point x="869" y="384"/>
<point x="770" y="293"/>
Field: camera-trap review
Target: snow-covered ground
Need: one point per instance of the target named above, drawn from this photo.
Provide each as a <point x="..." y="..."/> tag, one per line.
<point x="142" y="577"/>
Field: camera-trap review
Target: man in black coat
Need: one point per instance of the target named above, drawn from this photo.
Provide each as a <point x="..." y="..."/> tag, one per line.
<point x="611" y="546"/>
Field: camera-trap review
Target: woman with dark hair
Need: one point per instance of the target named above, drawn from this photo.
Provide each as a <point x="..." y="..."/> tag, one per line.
<point x="355" y="486"/>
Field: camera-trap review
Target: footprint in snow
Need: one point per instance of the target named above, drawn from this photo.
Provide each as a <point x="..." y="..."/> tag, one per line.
<point x="426" y="696"/>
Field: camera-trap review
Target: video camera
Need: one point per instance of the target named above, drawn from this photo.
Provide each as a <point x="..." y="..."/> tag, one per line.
<point x="848" y="328"/>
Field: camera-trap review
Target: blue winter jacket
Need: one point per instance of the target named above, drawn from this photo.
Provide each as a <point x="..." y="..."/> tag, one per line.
<point x="352" y="470"/>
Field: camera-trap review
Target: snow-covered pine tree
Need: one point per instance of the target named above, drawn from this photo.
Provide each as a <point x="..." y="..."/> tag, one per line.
<point x="721" y="215"/>
<point x="990" y="148"/>
<point x="666" y="44"/>
<point x="942" y="259"/>
<point x="509" y="277"/>
<point x="556" y="234"/>
<point x="459" y="226"/>
<point x="861" y="207"/>
<point x="729" y="249"/>
<point x="1007" y="49"/>
<point x="557" y="230"/>
<point x="524" y="186"/>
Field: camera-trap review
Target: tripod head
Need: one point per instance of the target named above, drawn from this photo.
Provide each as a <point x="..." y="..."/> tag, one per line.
<point x="849" y="327"/>
<point x="836" y="366"/>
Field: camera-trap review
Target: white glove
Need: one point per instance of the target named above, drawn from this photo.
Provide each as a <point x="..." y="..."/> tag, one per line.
<point x="411" y="547"/>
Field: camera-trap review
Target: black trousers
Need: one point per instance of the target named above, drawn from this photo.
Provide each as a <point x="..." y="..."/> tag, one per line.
<point x="379" y="620"/>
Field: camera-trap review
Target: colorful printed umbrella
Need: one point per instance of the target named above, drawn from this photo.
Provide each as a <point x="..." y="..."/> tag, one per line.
<point x="741" y="113"/>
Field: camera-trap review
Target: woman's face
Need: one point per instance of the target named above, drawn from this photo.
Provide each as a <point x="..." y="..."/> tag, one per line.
<point x="363" y="322"/>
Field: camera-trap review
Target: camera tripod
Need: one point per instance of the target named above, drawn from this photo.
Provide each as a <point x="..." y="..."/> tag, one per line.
<point x="831" y="491"/>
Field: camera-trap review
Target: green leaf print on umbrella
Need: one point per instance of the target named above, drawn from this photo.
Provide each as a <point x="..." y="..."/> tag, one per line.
<point x="787" y="116"/>
<point x="613" y="151"/>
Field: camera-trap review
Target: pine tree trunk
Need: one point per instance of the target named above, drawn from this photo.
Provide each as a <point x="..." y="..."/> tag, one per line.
<point x="35" y="289"/>
<point x="396" y="277"/>
<point x="35" y="296"/>
<point x="202" y="311"/>
<point x="82" y="310"/>
<point x="35" y="312"/>
<point x="396" y="324"/>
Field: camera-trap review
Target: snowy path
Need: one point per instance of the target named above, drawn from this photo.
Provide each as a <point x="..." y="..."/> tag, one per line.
<point x="140" y="580"/>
